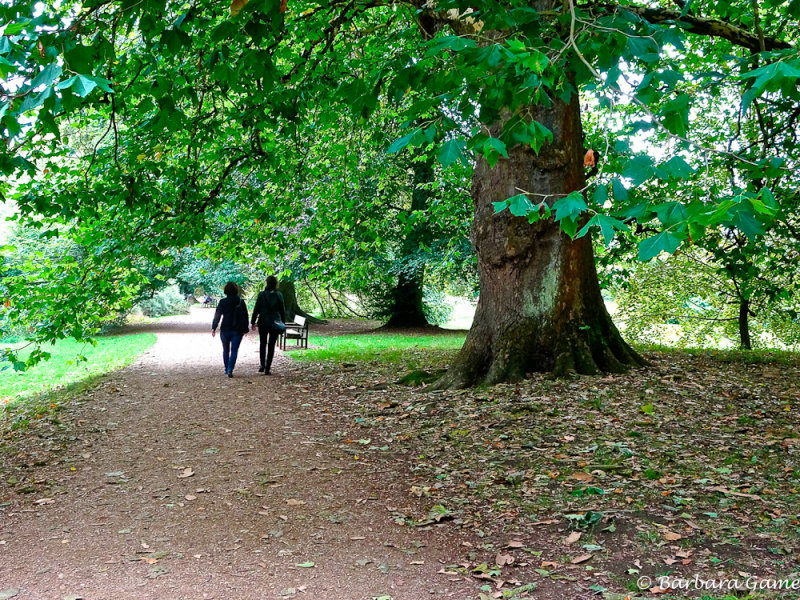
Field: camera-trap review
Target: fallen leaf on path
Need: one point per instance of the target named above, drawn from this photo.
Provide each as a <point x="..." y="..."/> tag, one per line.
<point x="186" y="473"/>
<point x="45" y="501"/>
<point x="572" y="538"/>
<point x="294" y="502"/>
<point x="581" y="559"/>
<point x="501" y="560"/>
<point x="672" y="536"/>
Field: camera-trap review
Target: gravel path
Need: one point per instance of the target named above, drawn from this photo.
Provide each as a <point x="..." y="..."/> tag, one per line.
<point x="171" y="481"/>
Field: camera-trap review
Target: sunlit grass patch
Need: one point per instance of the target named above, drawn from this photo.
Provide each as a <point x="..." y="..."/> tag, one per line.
<point x="37" y="384"/>
<point x="389" y="347"/>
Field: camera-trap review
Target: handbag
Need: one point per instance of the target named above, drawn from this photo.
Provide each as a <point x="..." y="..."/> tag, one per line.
<point x="278" y="327"/>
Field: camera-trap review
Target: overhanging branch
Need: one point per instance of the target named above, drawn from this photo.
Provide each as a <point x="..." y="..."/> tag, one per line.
<point x="698" y="25"/>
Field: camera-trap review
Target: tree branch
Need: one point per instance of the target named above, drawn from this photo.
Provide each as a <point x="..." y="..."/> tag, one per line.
<point x="698" y="25"/>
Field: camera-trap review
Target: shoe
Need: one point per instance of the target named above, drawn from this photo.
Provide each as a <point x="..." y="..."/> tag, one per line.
<point x="267" y="373"/>
<point x="230" y="375"/>
<point x="261" y="369"/>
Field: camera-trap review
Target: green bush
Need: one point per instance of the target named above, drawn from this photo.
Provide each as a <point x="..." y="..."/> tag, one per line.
<point x="163" y="303"/>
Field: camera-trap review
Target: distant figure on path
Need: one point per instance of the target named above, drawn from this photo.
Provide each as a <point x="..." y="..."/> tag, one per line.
<point x="233" y="311"/>
<point x="270" y="314"/>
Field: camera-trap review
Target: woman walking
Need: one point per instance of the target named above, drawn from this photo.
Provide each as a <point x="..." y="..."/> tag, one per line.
<point x="233" y="312"/>
<point x="270" y="315"/>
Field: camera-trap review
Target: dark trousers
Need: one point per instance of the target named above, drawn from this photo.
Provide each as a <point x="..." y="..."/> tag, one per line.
<point x="266" y="345"/>
<point x="230" y="347"/>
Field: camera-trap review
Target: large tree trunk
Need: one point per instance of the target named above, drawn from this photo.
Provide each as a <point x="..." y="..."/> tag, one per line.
<point x="407" y="308"/>
<point x="286" y="287"/>
<point x="540" y="307"/>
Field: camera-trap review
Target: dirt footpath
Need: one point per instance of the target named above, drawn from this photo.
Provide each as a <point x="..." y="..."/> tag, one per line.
<point x="170" y="481"/>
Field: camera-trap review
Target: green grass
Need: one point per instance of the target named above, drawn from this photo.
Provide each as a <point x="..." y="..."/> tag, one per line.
<point x="748" y="357"/>
<point x="63" y="370"/>
<point x="389" y="348"/>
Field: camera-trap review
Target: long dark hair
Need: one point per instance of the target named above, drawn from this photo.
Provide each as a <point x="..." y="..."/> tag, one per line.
<point x="231" y="289"/>
<point x="272" y="283"/>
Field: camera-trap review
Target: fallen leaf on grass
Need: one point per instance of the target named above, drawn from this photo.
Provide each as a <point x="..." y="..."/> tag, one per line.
<point x="672" y="537"/>
<point x="581" y="559"/>
<point x="581" y="476"/>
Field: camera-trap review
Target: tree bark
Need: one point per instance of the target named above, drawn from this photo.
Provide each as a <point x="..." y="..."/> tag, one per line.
<point x="744" y="324"/>
<point x="407" y="308"/>
<point x="286" y="287"/>
<point x="540" y="306"/>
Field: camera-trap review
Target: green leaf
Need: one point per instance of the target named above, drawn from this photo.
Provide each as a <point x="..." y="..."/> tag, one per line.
<point x="748" y="224"/>
<point x="519" y="205"/>
<point x="493" y="149"/>
<point x="675" y="168"/>
<point x="5" y="45"/>
<point x="47" y="75"/>
<point x="671" y="213"/>
<point x="35" y="100"/>
<point x="608" y="225"/>
<point x="82" y="85"/>
<point x="453" y="43"/>
<point x="402" y="142"/>
<point x="644" y="48"/>
<point x="638" y="169"/>
<point x="619" y="190"/>
<point x="539" y="135"/>
<point x="451" y="151"/>
<point x="675" y="115"/>
<point x="665" y="241"/>
<point x="600" y="195"/>
<point x="569" y="207"/>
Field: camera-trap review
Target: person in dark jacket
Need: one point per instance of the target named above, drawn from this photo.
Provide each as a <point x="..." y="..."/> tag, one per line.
<point x="228" y="334"/>
<point x="269" y="313"/>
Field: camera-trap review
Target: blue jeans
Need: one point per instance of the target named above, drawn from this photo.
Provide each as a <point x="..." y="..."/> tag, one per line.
<point x="230" y="347"/>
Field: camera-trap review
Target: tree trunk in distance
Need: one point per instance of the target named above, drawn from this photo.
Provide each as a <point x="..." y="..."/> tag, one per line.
<point x="540" y="306"/>
<point x="407" y="309"/>
<point x="286" y="287"/>
<point x="744" y="324"/>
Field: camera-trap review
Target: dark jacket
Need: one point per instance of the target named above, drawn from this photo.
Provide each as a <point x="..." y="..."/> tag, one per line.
<point x="225" y="310"/>
<point x="268" y="309"/>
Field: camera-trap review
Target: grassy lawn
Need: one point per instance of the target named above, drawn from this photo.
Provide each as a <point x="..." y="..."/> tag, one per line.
<point x="388" y="347"/>
<point x="63" y="370"/>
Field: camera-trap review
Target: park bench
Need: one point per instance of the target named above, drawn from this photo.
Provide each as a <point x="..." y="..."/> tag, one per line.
<point x="296" y="330"/>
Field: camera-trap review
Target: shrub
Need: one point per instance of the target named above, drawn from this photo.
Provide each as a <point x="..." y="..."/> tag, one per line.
<point x="163" y="303"/>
